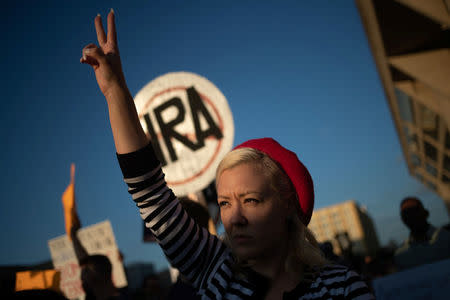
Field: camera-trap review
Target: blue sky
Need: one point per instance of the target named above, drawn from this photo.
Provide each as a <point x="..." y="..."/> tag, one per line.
<point x="300" y="72"/>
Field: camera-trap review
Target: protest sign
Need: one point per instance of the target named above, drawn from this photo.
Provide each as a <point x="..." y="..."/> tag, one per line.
<point x="191" y="127"/>
<point x="96" y="239"/>
<point x="42" y="279"/>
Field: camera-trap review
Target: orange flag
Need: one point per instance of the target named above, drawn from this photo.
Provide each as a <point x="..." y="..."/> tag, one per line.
<point x="68" y="201"/>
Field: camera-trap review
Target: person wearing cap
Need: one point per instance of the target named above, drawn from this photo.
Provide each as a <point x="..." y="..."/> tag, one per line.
<point x="266" y="198"/>
<point x="426" y="243"/>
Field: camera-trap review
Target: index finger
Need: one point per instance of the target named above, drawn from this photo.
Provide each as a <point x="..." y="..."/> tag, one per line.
<point x="101" y="36"/>
<point x="112" y="35"/>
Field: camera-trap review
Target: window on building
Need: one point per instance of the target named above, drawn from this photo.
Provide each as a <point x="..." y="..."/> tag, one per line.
<point x="430" y="123"/>
<point x="430" y="151"/>
<point x="405" y="106"/>
<point x="447" y="140"/>
<point x="415" y="160"/>
<point x="446" y="163"/>
<point x="431" y="169"/>
<point x="411" y="139"/>
<point x="336" y="218"/>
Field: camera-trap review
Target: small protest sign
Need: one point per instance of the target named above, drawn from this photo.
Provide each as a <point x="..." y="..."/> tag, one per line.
<point x="96" y="239"/>
<point x="42" y="279"/>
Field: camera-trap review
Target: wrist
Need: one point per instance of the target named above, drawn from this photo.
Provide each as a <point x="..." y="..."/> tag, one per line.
<point x="114" y="90"/>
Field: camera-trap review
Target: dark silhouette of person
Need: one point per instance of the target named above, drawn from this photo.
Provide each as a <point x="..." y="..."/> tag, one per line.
<point x="426" y="243"/>
<point x="327" y="249"/>
<point x="96" y="274"/>
<point x="96" y="271"/>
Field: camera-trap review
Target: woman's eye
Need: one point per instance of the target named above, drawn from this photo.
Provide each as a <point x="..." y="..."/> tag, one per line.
<point x="251" y="200"/>
<point x="223" y="203"/>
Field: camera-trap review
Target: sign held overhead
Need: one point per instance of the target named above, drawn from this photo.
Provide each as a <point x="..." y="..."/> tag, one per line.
<point x="191" y="127"/>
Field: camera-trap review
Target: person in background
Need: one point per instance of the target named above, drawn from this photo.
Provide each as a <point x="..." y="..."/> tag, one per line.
<point x="96" y="271"/>
<point x="327" y="250"/>
<point x="265" y="195"/>
<point x="426" y="243"/>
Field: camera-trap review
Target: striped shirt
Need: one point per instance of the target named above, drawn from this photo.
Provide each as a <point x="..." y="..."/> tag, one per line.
<point x="202" y="257"/>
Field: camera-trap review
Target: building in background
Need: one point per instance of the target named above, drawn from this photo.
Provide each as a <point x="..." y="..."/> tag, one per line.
<point x="410" y="42"/>
<point x="333" y="222"/>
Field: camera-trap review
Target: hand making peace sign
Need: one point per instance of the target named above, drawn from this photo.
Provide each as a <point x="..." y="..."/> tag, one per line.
<point x="105" y="59"/>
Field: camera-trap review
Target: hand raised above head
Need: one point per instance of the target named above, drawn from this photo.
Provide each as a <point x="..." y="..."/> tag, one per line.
<point x="105" y="58"/>
<point x="76" y="225"/>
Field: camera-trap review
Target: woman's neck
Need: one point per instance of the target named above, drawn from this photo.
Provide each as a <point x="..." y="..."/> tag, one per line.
<point x="285" y="282"/>
<point x="274" y="268"/>
<point x="270" y="267"/>
<point x="271" y="262"/>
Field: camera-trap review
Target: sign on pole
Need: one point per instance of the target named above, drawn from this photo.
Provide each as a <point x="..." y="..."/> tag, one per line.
<point x="191" y="127"/>
<point x="96" y="239"/>
<point x="68" y="201"/>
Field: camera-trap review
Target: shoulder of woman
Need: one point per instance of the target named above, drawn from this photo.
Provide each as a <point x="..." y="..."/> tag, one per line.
<point x="329" y="273"/>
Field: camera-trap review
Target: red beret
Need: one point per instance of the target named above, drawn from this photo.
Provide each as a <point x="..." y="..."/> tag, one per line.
<point x="294" y="169"/>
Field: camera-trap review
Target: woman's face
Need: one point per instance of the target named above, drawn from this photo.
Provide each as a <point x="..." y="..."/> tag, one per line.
<point x="253" y="216"/>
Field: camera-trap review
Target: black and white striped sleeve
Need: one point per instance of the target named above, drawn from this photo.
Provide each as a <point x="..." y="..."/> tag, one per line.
<point x="355" y="287"/>
<point x="189" y="247"/>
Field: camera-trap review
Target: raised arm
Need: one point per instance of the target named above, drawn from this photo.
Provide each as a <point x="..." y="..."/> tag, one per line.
<point x="80" y="251"/>
<point x="105" y="60"/>
<point x="190" y="248"/>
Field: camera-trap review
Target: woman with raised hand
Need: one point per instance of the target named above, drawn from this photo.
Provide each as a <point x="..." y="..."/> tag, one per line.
<point x="265" y="196"/>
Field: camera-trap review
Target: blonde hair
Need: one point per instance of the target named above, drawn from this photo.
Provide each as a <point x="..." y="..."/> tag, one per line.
<point x="303" y="247"/>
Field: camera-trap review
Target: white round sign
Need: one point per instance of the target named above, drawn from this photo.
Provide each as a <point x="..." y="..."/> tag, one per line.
<point x="191" y="127"/>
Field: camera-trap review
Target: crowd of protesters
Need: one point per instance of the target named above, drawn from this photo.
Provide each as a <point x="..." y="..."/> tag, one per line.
<point x="425" y="244"/>
<point x="266" y="199"/>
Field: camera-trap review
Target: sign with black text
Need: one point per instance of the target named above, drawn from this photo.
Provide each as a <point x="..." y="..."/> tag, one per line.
<point x="96" y="239"/>
<point x="191" y="127"/>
